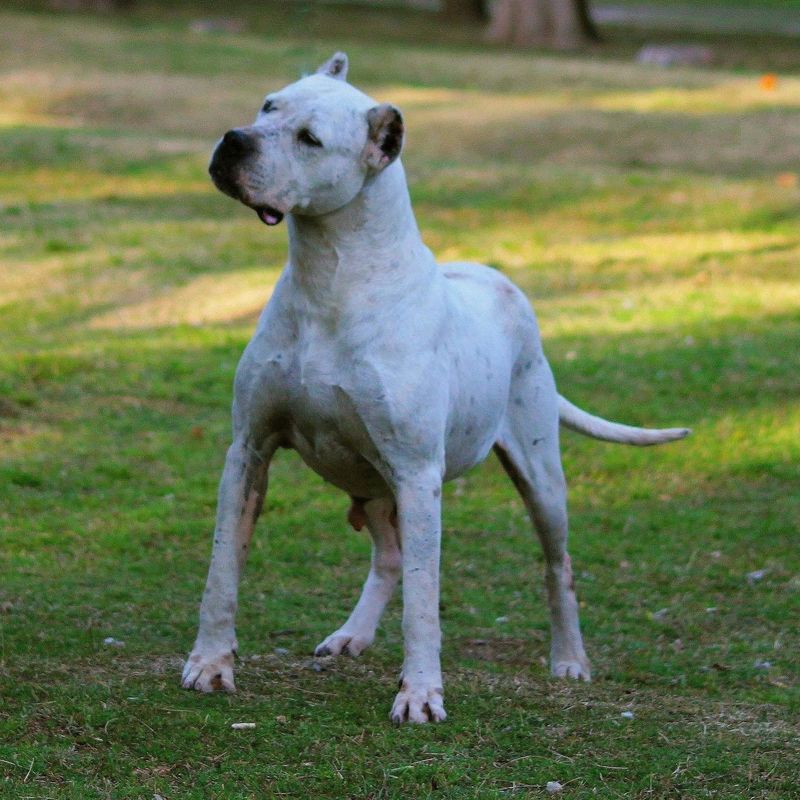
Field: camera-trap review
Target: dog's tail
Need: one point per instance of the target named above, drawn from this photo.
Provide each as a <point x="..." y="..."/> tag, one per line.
<point x="578" y="420"/>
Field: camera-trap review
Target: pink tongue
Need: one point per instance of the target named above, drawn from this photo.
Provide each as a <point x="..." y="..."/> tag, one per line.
<point x="270" y="217"/>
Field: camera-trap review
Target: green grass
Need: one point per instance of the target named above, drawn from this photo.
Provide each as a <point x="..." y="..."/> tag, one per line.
<point x="651" y="217"/>
<point x="721" y="4"/>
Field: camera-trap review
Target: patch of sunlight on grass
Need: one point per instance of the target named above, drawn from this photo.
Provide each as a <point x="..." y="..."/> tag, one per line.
<point x="486" y="129"/>
<point x="11" y="117"/>
<point x="46" y="185"/>
<point x="187" y="247"/>
<point x="454" y="101"/>
<point x="669" y="249"/>
<point x="49" y="277"/>
<point x="518" y="222"/>
<point x="517" y="242"/>
<point x="671" y="305"/>
<point x="21" y="100"/>
<point x="9" y="241"/>
<point x="578" y="135"/>
<point x="747" y="440"/>
<point x="133" y="100"/>
<point x="206" y="299"/>
<point x="732" y="95"/>
<point x="753" y="434"/>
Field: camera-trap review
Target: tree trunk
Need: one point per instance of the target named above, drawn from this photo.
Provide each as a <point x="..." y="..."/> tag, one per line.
<point x="563" y="24"/>
<point x="465" y="10"/>
<point x="567" y="31"/>
<point x="588" y="26"/>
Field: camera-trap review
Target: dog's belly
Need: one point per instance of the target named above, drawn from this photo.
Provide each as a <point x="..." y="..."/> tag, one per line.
<point x="345" y="468"/>
<point x="324" y="451"/>
<point x="327" y="448"/>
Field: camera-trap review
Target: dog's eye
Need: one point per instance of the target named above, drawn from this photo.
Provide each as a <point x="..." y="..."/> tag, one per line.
<point x="306" y="137"/>
<point x="267" y="107"/>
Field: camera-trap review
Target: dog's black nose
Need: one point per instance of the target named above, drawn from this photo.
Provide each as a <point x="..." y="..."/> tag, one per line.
<point x="237" y="142"/>
<point x="230" y="155"/>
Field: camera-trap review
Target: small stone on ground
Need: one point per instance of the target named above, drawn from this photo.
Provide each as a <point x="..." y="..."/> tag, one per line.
<point x="672" y="55"/>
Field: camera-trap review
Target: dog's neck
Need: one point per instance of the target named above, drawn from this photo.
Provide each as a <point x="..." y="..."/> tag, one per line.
<point x="370" y="248"/>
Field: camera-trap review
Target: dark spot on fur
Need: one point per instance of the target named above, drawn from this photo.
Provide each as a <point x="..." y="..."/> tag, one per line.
<point x="534" y="442"/>
<point x="506" y="291"/>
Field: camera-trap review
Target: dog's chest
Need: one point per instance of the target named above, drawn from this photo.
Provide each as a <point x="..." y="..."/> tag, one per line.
<point x="324" y="424"/>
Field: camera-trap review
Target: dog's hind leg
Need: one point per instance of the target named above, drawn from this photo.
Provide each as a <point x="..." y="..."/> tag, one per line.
<point x="528" y="449"/>
<point x="358" y="632"/>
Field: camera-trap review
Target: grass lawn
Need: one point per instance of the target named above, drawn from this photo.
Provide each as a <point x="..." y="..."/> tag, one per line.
<point x="651" y="216"/>
<point x="691" y="4"/>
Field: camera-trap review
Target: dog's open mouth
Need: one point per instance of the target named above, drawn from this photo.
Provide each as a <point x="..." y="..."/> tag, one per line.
<point x="269" y="215"/>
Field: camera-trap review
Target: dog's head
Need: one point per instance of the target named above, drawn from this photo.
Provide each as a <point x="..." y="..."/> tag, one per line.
<point x="310" y="149"/>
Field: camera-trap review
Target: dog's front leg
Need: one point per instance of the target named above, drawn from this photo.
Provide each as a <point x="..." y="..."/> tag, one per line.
<point x="421" y="696"/>
<point x="241" y="495"/>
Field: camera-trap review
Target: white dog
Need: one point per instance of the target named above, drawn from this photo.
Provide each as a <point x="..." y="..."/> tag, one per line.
<point x="388" y="373"/>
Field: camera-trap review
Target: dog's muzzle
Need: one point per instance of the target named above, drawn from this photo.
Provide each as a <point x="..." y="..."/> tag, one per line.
<point x="227" y="160"/>
<point x="229" y="156"/>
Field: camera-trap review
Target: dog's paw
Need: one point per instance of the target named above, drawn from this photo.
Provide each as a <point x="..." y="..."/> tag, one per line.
<point x="209" y="672"/>
<point x="343" y="643"/>
<point x="418" y="704"/>
<point x="577" y="669"/>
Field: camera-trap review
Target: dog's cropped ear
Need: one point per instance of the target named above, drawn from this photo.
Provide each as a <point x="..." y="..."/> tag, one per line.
<point x="335" y="67"/>
<point x="385" y="137"/>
